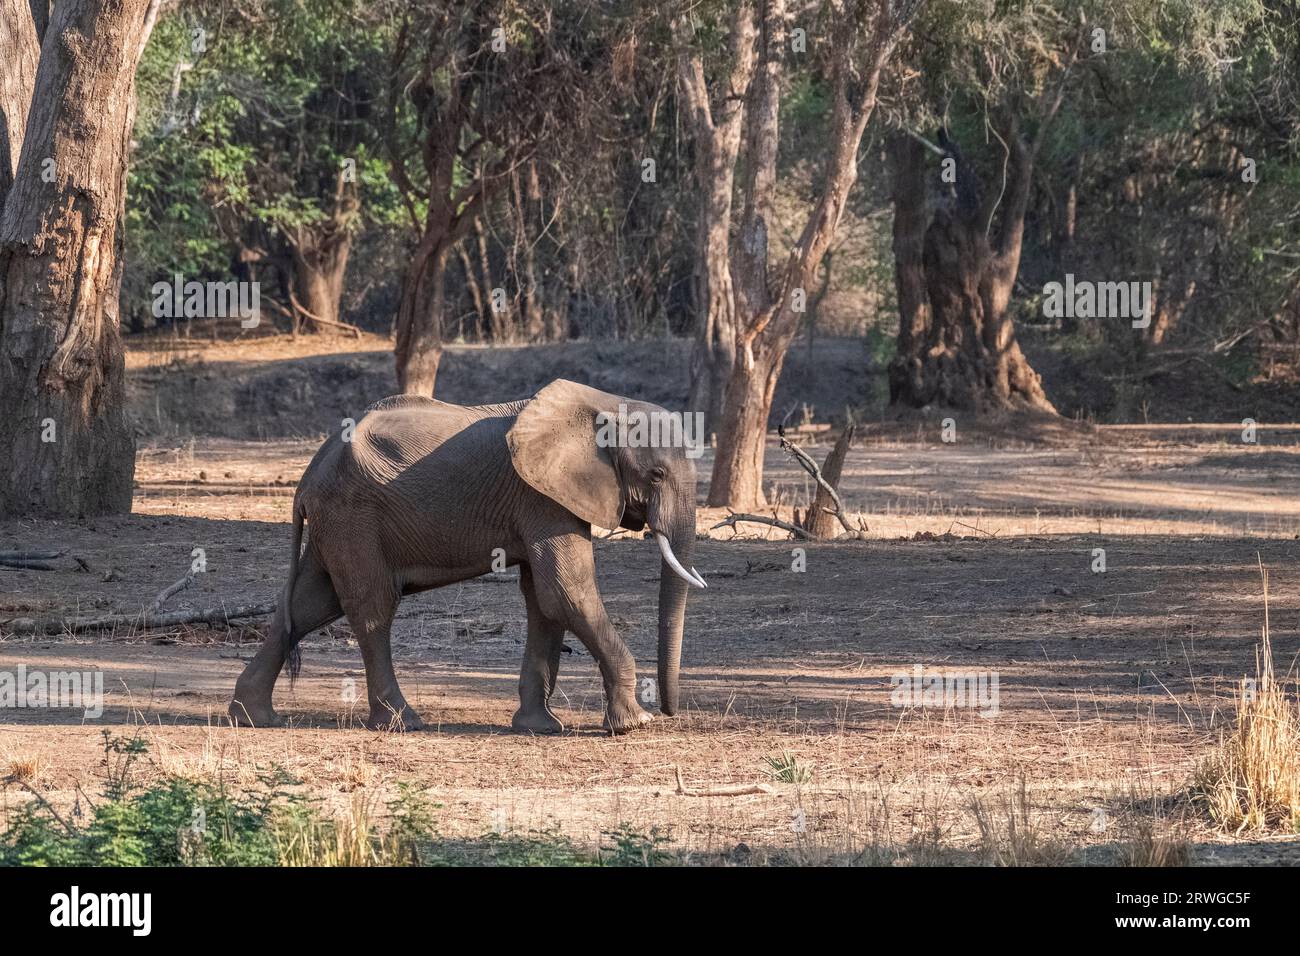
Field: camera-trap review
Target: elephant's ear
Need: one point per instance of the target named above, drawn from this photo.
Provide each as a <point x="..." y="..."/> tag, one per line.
<point x="553" y="447"/>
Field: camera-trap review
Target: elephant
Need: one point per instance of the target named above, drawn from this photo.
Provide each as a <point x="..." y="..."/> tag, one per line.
<point x="425" y="492"/>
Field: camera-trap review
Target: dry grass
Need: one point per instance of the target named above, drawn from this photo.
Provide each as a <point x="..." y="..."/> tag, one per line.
<point x="1252" y="780"/>
<point x="348" y="839"/>
<point x="1010" y="834"/>
<point x="25" y="769"/>
<point x="1154" y="843"/>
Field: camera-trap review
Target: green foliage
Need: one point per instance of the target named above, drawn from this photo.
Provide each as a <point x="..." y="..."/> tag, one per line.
<point x="535" y="848"/>
<point x="881" y="345"/>
<point x="786" y="768"/>
<point x="630" y="847"/>
<point x="239" y="144"/>
<point x="411" y="823"/>
<point x="180" y="822"/>
<point x="804" y="111"/>
<point x="237" y="148"/>
<point x="176" y="822"/>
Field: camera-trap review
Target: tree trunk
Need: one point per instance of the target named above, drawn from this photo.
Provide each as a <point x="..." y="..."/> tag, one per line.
<point x="714" y="353"/>
<point x="70" y="447"/>
<point x="968" y="357"/>
<point x="419" y="319"/>
<point x="530" y="310"/>
<point x="814" y="307"/>
<point x="419" y="314"/>
<point x="475" y="291"/>
<point x="319" y="268"/>
<point x="498" y="317"/>
<point x="766" y="322"/>
<point x="907" y="159"/>
<point x="22" y="53"/>
<point x="737" y="480"/>
<point x="319" y="254"/>
<point x="716" y="132"/>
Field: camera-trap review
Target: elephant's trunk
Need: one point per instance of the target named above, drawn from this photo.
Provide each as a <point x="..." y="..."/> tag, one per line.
<point x="672" y="610"/>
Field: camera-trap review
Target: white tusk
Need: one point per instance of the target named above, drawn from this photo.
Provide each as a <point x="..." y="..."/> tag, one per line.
<point x="703" y="583"/>
<point x="666" y="550"/>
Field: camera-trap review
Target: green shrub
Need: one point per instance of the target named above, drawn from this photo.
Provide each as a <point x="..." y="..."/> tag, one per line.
<point x="181" y="822"/>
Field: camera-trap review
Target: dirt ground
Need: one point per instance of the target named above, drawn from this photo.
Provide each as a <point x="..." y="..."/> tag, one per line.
<point x="980" y="557"/>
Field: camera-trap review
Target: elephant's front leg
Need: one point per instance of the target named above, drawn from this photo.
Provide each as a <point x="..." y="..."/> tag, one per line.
<point x="541" y="665"/>
<point x="564" y="576"/>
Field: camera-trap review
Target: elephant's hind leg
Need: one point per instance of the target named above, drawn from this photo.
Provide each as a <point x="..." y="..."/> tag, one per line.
<point x="370" y="612"/>
<point x="313" y="604"/>
<point x="541" y="665"/>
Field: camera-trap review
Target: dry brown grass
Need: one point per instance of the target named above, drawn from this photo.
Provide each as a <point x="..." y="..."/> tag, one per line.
<point x="1010" y="834"/>
<point x="1252" y="780"/>
<point x="25" y="769"/>
<point x="347" y="839"/>
<point x="1154" y="843"/>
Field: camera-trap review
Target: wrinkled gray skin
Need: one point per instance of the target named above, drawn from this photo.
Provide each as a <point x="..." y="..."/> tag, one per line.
<point x="423" y="494"/>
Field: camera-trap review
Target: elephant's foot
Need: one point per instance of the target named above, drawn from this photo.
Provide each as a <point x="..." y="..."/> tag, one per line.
<point x="619" y="719"/>
<point x="250" y="712"/>
<point x="395" y="719"/>
<point x="536" y="721"/>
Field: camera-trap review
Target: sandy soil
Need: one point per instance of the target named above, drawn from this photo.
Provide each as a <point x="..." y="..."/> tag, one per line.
<point x="980" y="558"/>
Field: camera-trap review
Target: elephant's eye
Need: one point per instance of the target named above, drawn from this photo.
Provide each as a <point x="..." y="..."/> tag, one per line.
<point x="657" y="474"/>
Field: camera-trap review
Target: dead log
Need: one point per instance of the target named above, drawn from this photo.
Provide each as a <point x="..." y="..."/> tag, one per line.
<point x="74" y="625"/>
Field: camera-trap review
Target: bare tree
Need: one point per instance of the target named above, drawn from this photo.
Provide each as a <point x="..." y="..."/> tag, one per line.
<point x="65" y="433"/>
<point x="716" y="123"/>
<point x="864" y="36"/>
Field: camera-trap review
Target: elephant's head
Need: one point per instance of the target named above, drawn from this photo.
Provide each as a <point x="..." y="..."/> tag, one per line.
<point x="618" y="463"/>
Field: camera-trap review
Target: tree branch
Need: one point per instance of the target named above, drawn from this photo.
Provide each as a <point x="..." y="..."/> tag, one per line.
<point x="733" y="516"/>
<point x="805" y="461"/>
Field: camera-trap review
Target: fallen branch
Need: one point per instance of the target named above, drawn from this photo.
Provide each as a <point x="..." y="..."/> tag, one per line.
<point x="738" y="790"/>
<point x="211" y="615"/>
<point x="805" y="461"/>
<point x="991" y="534"/>
<point x="168" y="591"/>
<point x="733" y="516"/>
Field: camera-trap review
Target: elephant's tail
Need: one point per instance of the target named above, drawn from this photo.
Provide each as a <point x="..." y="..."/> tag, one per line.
<point x="294" y="657"/>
